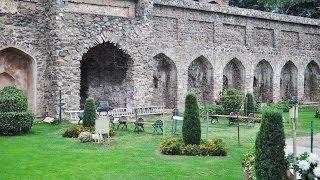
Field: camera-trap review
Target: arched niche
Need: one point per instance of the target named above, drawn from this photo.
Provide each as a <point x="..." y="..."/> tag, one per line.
<point x="17" y="68"/>
<point x="312" y="82"/>
<point x="289" y="80"/>
<point x="106" y="74"/>
<point x="200" y="79"/>
<point x="165" y="81"/>
<point x="234" y="75"/>
<point x="263" y="82"/>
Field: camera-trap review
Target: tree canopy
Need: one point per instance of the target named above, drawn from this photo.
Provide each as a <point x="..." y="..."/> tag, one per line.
<point x="304" y="8"/>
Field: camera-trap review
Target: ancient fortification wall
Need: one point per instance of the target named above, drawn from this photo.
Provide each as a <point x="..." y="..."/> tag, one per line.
<point x="151" y="52"/>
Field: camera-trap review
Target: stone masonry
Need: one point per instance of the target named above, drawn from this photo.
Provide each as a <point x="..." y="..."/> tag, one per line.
<point x="151" y="52"/>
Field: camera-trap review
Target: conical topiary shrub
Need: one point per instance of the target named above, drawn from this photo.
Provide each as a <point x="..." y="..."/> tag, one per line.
<point x="89" y="114"/>
<point x="191" y="129"/>
<point x="249" y="105"/>
<point x="269" y="146"/>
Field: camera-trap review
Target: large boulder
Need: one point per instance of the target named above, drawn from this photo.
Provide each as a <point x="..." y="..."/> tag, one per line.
<point x="85" y="137"/>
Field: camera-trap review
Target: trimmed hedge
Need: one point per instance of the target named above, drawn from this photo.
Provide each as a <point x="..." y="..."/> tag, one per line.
<point x="15" y="118"/>
<point x="89" y="114"/>
<point x="12" y="123"/>
<point x="191" y="129"/>
<point x="269" y="146"/>
<point x="13" y="100"/>
<point x="232" y="101"/>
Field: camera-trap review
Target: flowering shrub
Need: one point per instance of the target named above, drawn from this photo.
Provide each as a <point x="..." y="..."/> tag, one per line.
<point x="308" y="166"/>
<point x="172" y="146"/>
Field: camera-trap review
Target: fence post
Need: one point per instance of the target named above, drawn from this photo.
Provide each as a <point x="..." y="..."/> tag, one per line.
<point x="311" y="136"/>
<point x="207" y="125"/>
<point x="238" y="130"/>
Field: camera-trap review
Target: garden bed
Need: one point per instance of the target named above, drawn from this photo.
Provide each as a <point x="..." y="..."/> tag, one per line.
<point x="173" y="146"/>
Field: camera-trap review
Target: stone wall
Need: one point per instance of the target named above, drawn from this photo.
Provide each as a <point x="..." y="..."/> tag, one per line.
<point x="59" y="34"/>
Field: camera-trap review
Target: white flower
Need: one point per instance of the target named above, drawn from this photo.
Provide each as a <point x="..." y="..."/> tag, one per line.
<point x="313" y="158"/>
<point x="304" y="165"/>
<point x="316" y="171"/>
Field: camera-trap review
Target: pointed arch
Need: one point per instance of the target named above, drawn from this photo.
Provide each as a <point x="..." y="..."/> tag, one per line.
<point x="263" y="81"/>
<point x="200" y="79"/>
<point x="312" y="82"/>
<point x="165" y="81"/>
<point x="106" y="74"/>
<point x="234" y="75"/>
<point x="18" y="68"/>
<point x="289" y="80"/>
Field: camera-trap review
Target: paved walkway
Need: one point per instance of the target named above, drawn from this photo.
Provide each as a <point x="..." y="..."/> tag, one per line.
<point x="303" y="145"/>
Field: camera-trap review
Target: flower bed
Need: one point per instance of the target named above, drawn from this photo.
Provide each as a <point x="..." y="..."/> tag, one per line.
<point x="173" y="146"/>
<point x="307" y="165"/>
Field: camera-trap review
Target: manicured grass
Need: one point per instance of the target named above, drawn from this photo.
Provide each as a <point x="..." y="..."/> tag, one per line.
<point x="44" y="154"/>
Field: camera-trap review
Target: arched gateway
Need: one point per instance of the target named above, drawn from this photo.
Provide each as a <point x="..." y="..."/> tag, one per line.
<point x="106" y="74"/>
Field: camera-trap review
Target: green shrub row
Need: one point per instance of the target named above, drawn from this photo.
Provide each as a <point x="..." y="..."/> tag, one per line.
<point x="172" y="146"/>
<point x="12" y="123"/>
<point x="13" y="100"/>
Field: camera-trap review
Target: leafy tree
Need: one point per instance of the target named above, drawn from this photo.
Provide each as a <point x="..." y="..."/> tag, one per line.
<point x="89" y="114"/>
<point x="269" y="146"/>
<point x="232" y="101"/>
<point x="304" y="8"/>
<point x="191" y="129"/>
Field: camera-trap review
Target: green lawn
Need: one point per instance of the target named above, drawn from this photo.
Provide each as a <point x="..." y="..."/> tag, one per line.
<point x="44" y="154"/>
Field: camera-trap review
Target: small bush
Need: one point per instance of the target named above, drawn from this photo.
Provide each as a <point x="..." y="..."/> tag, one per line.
<point x="232" y="101"/>
<point x="249" y="106"/>
<point x="283" y="105"/>
<point x="89" y="114"/>
<point x="212" y="109"/>
<point x="74" y="131"/>
<point x="13" y="100"/>
<point x="317" y="114"/>
<point x="190" y="150"/>
<point x="172" y="146"/>
<point x="191" y="129"/>
<point x="12" y="123"/>
<point x="269" y="146"/>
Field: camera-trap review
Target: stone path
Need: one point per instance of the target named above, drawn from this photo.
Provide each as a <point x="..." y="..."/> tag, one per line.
<point x="303" y="144"/>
